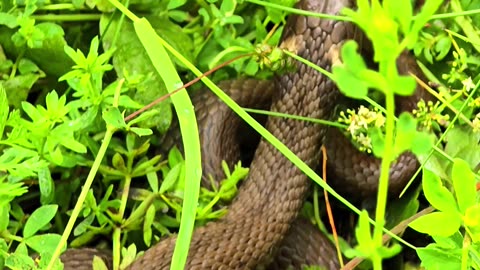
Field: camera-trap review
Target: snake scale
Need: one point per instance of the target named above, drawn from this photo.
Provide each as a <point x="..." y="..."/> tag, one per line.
<point x="261" y="229"/>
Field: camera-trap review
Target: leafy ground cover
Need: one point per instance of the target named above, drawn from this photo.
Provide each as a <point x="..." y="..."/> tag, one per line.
<point x="78" y="169"/>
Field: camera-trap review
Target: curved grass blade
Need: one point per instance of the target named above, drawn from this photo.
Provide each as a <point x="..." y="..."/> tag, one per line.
<point x="188" y="127"/>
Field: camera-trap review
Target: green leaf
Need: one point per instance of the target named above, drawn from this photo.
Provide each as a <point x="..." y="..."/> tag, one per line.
<point x="51" y="101"/>
<point x="128" y="255"/>
<point x="74" y="145"/>
<point x="421" y="143"/>
<point x="277" y="15"/>
<point x="204" y="13"/>
<point x="178" y="15"/>
<point x="3" y="109"/>
<point x="39" y="219"/>
<point x="174" y="157"/>
<point x="52" y="47"/>
<point x="44" y="243"/>
<point x="145" y="166"/>
<point x="131" y="59"/>
<point x="114" y="117"/>
<point x="437" y="195"/>
<point x="128" y="102"/>
<point x="173" y="4"/>
<point x="56" y="156"/>
<point x="4" y="215"/>
<point x="144" y="116"/>
<point x="464" y="184"/>
<point x="433" y="257"/>
<point x="118" y="162"/>
<point x="102" y="5"/>
<point x="9" y="191"/>
<point x="378" y="141"/>
<point x="171" y="178"/>
<point x="472" y="222"/>
<point x="228" y="188"/>
<point x="234" y="19"/>
<point x="390" y="251"/>
<point x="437" y="223"/>
<point x="402" y="208"/>
<point x="130" y="142"/>
<point x="84" y="239"/>
<point x="346" y="75"/>
<point x="47" y="186"/>
<point x="428" y="9"/>
<point x="454" y="241"/>
<point x="19" y="261"/>
<point x="32" y="112"/>
<point x="363" y="235"/>
<point x="21" y="249"/>
<point x="84" y="225"/>
<point x="152" y="178"/>
<point x="8" y="20"/>
<point x="98" y="263"/>
<point x="462" y="142"/>
<point x="141" y="131"/>
<point x="19" y="87"/>
<point x="442" y="47"/>
<point x="27" y="66"/>
<point x="77" y="56"/>
<point x="403" y="85"/>
<point x="401" y="11"/>
<point x="147" y="225"/>
<point x="406" y="129"/>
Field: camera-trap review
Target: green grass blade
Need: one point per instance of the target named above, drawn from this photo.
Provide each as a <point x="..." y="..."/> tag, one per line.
<point x="188" y="126"/>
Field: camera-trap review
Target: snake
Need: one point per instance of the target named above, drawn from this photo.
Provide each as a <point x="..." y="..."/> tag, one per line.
<point x="261" y="229"/>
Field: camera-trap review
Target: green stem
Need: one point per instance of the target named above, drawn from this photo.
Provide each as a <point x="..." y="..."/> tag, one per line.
<point x="377" y="262"/>
<point x="299" y="11"/>
<point x="117" y="247"/>
<point x="316" y="210"/>
<point x="385" y="167"/>
<point x="454" y="14"/>
<point x="297" y="117"/>
<point x="466" y="246"/>
<point x="124" y="10"/>
<point x="7" y="235"/>
<point x="209" y="206"/>
<point x="140" y="211"/>
<point x="83" y="195"/>
<point x="67" y="18"/>
<point x="58" y="7"/>
<point x="88" y="183"/>
<point x="125" y="192"/>
<point x="310" y="64"/>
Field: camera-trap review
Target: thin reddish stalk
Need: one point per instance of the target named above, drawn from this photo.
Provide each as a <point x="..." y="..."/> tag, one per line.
<point x="162" y="98"/>
<point x="329" y="208"/>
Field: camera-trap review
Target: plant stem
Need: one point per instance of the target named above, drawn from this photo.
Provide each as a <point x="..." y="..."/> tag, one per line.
<point x="88" y="183"/>
<point x="466" y="246"/>
<point x="117" y="246"/>
<point x="125" y="192"/>
<point x="83" y="195"/>
<point x="67" y="18"/>
<point x="58" y="7"/>
<point x="385" y="166"/>
<point x="299" y="11"/>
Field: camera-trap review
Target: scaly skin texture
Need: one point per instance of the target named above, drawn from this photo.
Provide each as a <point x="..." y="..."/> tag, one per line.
<point x="261" y="228"/>
<point x="274" y="191"/>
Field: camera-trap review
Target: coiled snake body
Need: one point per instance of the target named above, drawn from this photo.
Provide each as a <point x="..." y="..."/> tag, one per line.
<point x="268" y="202"/>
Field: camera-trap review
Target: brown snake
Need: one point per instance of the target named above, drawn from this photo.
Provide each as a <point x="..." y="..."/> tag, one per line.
<point x="264" y="213"/>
